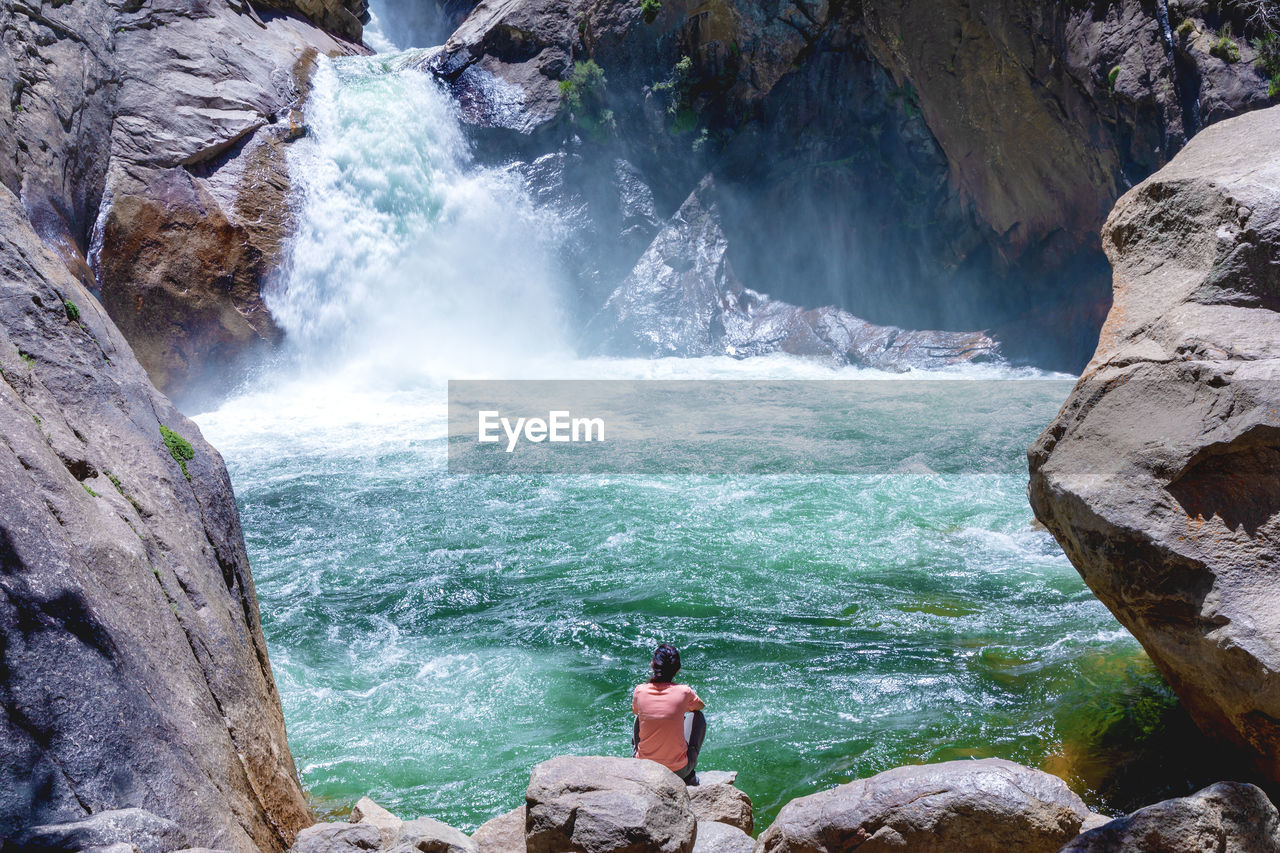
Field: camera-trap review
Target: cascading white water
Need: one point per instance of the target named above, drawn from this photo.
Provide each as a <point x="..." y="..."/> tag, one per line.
<point x="409" y="263"/>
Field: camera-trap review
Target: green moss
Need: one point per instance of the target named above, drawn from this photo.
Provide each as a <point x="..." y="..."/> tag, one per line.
<point x="1186" y="29"/>
<point x="89" y="490"/>
<point x="73" y="311"/>
<point x="1111" y="78"/>
<point x="179" y="448"/>
<point x="28" y="359"/>
<point x="115" y="481"/>
<point x="1268" y="47"/>
<point x="36" y="418"/>
<point x="649" y="10"/>
<point x="584" y="93"/>
<point x="1225" y="49"/>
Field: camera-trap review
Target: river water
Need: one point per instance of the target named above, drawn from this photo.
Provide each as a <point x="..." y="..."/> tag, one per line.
<point x="435" y="635"/>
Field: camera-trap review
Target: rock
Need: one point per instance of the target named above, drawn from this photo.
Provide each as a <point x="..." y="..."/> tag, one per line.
<point x="683" y="299"/>
<point x="717" y="777"/>
<point x="595" y="804"/>
<point x="716" y="837"/>
<point x="369" y="812"/>
<point x="947" y="149"/>
<point x="722" y="803"/>
<point x="427" y="835"/>
<point x="986" y="806"/>
<point x="337" y="838"/>
<point x="136" y="673"/>
<point x="1093" y="821"/>
<point x="170" y="199"/>
<point x="503" y="834"/>
<point x="1230" y="816"/>
<point x="123" y="828"/>
<point x="1158" y="476"/>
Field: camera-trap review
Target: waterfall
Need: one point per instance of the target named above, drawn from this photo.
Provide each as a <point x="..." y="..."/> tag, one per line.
<point x="410" y="261"/>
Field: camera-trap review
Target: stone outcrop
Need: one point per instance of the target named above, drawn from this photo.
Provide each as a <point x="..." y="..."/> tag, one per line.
<point x="1230" y="816"/>
<point x="135" y="829"/>
<point x="1159" y="475"/>
<point x="595" y="804"/>
<point x="428" y="835"/>
<point x="337" y="838"/>
<point x="368" y="812"/>
<point x="722" y="803"/>
<point x="503" y="834"/>
<point x="683" y="299"/>
<point x="136" y="674"/>
<point x="947" y="148"/>
<point x="716" y="837"/>
<point x="146" y="142"/>
<point x="987" y="806"/>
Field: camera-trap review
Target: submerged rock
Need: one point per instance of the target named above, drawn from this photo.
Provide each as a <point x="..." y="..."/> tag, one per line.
<point x="683" y="299"/>
<point x="1230" y="817"/>
<point x="594" y="804"/>
<point x="987" y="806"/>
<point x="1160" y="477"/>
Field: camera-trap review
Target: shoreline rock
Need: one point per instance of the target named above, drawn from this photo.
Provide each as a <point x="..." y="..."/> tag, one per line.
<point x="1158" y="476"/>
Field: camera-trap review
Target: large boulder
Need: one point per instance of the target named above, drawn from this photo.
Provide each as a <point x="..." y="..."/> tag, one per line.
<point x="1160" y="477"/>
<point x="135" y="670"/>
<point x="683" y="299"/>
<point x="987" y="806"/>
<point x="368" y="812"/>
<point x="595" y="804"/>
<point x="1229" y="817"/>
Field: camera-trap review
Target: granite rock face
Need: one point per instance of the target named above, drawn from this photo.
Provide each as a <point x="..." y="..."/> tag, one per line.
<point x="1159" y="475"/>
<point x="987" y="806"/>
<point x="134" y="829"/>
<point x="503" y="834"/>
<point x="684" y="299"/>
<point x="147" y="146"/>
<point x="594" y="804"/>
<point x="1230" y="817"/>
<point x="947" y="148"/>
<point x="135" y="670"/>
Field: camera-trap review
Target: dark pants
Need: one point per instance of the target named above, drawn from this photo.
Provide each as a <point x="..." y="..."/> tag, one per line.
<point x="697" y="734"/>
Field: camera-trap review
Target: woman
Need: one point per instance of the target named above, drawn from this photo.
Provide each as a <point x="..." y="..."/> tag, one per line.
<point x="660" y="705"/>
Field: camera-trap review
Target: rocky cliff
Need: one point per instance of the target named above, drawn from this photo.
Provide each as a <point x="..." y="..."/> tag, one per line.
<point x="925" y="164"/>
<point x="1160" y="477"/>
<point x="146" y="142"/>
<point x="143" y="143"/>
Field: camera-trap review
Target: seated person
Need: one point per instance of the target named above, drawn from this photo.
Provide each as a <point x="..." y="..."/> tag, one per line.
<point x="660" y="705"/>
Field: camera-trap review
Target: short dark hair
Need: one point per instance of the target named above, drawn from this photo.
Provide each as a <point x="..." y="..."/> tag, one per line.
<point x="666" y="662"/>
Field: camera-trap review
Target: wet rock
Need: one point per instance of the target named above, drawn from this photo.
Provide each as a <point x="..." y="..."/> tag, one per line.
<point x="368" y="812"/>
<point x="987" y="806"/>
<point x="427" y="835"/>
<point x="683" y="299"/>
<point x="130" y="828"/>
<point x="136" y="673"/>
<point x="1158" y="477"/>
<point x="337" y="838"/>
<point x="1230" y="816"/>
<point x="196" y="165"/>
<point x="721" y="803"/>
<point x="717" y="837"/>
<point x="503" y="834"/>
<point x="593" y="804"/>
